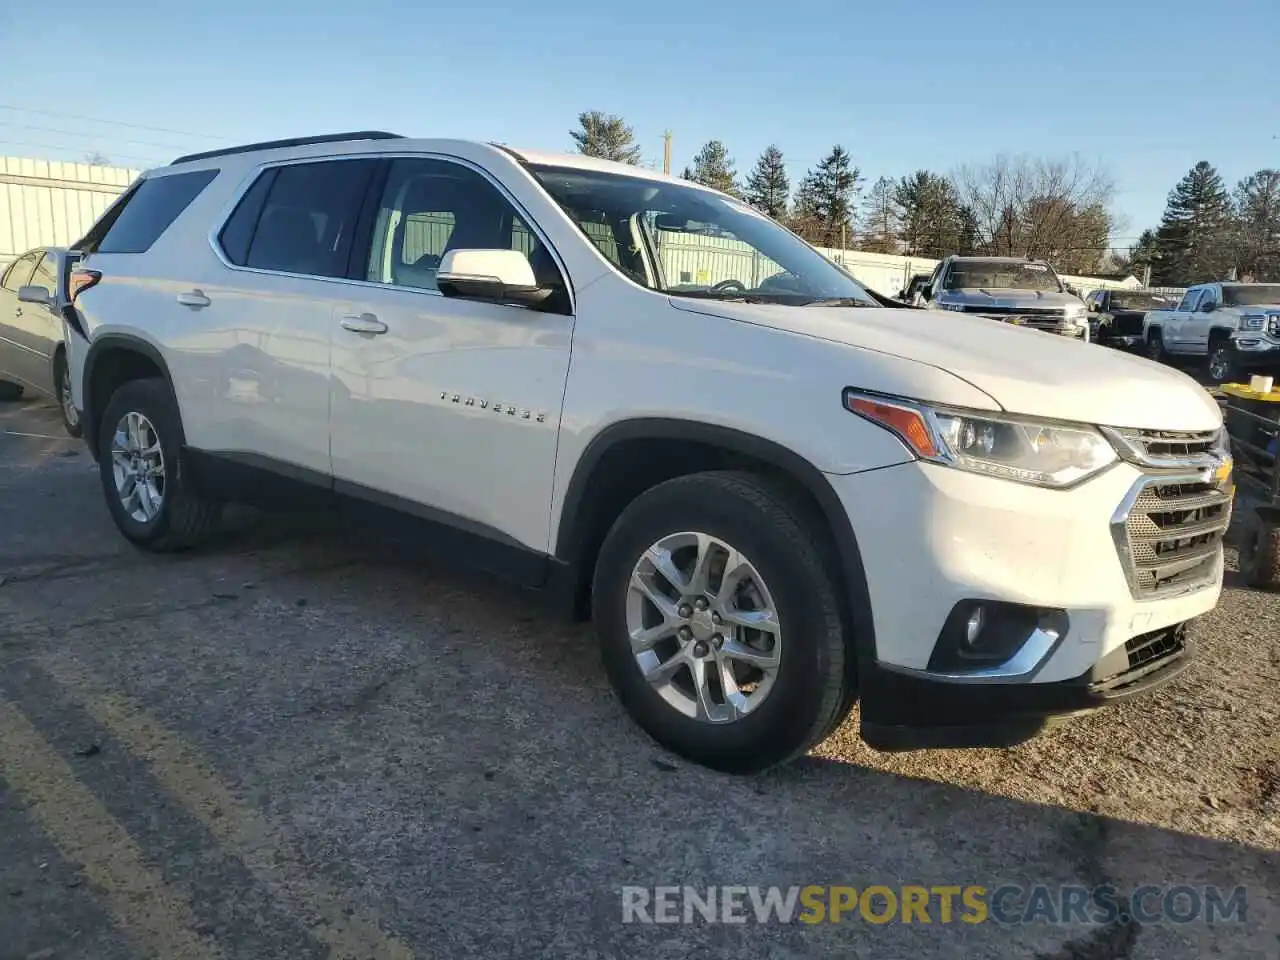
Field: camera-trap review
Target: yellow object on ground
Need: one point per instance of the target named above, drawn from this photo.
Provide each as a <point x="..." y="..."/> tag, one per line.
<point x="1242" y="391"/>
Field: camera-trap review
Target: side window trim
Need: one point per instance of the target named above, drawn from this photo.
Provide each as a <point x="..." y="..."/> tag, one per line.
<point x="528" y="220"/>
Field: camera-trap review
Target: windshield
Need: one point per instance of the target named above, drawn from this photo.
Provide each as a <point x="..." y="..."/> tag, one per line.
<point x="1001" y="275"/>
<point x="686" y="241"/>
<point x="1252" y="295"/>
<point x="1143" y="301"/>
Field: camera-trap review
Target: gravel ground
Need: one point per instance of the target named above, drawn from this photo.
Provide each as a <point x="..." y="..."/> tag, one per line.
<point x="292" y="745"/>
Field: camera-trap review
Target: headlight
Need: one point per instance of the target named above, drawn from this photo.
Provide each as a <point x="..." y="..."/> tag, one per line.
<point x="1252" y="322"/>
<point x="1014" y="448"/>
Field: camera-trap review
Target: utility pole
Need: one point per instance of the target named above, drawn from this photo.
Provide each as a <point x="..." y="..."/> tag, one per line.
<point x="666" y="152"/>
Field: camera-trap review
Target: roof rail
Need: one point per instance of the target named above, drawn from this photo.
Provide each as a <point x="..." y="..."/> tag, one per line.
<point x="293" y="142"/>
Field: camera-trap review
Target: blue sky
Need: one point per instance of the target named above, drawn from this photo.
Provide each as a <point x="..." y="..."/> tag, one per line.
<point x="1146" y="88"/>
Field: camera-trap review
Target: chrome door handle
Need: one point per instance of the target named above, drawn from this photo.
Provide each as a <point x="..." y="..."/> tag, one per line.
<point x="363" y="323"/>
<point x="194" y="298"/>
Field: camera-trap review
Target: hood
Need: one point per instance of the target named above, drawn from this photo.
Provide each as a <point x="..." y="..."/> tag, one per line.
<point x="973" y="298"/>
<point x="1023" y="371"/>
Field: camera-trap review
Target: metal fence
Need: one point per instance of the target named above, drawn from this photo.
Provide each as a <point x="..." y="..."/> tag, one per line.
<point x="53" y="204"/>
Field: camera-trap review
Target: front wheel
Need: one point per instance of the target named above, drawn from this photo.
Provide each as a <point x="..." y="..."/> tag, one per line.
<point x="1222" y="362"/>
<point x="149" y="490"/>
<point x="719" y="624"/>
<point x="1155" y="347"/>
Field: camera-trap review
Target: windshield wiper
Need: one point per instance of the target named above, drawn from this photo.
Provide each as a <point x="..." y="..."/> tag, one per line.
<point x="837" y="302"/>
<point x="724" y="297"/>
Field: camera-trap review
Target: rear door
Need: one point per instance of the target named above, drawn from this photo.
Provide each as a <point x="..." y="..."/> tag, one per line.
<point x="18" y="361"/>
<point x="270" y="316"/>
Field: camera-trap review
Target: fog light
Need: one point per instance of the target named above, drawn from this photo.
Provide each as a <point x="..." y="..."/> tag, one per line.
<point x="980" y="634"/>
<point x="973" y="627"/>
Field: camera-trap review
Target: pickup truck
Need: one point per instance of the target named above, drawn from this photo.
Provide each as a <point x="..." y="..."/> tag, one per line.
<point x="1116" y="317"/>
<point x="1013" y="290"/>
<point x="1203" y="323"/>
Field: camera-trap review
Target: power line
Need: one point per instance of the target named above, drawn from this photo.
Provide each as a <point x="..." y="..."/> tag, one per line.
<point x="113" y="123"/>
<point x="147" y="161"/>
<point x="92" y="135"/>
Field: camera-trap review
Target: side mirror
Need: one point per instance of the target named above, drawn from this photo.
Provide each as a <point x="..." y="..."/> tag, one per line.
<point x="34" y="294"/>
<point x="926" y="291"/>
<point x="1209" y="307"/>
<point x="503" y="276"/>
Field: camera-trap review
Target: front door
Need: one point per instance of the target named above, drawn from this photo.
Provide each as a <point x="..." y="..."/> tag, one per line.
<point x="1173" y="331"/>
<point x="443" y="407"/>
<point x="19" y="361"/>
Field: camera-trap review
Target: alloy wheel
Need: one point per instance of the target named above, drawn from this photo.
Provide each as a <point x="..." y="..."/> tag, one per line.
<point x="137" y="464"/>
<point x="1220" y="363"/>
<point x="68" y="406"/>
<point x="704" y="628"/>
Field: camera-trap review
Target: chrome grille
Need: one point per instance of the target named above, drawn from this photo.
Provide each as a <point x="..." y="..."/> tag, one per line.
<point x="1167" y="448"/>
<point x="1169" y="534"/>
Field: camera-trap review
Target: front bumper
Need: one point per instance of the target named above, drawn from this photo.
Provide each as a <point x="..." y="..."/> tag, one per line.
<point x="933" y="537"/>
<point x="1256" y="353"/>
<point x="902" y="711"/>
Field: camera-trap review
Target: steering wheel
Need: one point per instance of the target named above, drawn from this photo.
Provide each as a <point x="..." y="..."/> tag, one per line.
<point x="726" y="285"/>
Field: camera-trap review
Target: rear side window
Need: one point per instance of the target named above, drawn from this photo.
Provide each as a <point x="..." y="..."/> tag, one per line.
<point x="299" y="218"/>
<point x="238" y="232"/>
<point x="137" y="222"/>
<point x="20" y="272"/>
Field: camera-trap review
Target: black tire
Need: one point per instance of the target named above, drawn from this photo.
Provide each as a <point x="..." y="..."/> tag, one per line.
<point x="185" y="517"/>
<point x="10" y="391"/>
<point x="61" y="390"/>
<point x="1155" y="347"/>
<point x="815" y="685"/>
<point x="1222" y="359"/>
<point x="1260" y="553"/>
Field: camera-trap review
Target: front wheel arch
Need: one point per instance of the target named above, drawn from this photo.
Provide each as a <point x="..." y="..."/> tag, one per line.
<point x="701" y="447"/>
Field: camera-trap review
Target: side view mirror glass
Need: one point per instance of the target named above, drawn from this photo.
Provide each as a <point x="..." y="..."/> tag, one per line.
<point x="34" y="294"/>
<point x="926" y="291"/>
<point x="1209" y="307"/>
<point x="504" y="276"/>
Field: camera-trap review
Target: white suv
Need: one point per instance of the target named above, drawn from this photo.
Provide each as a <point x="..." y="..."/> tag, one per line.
<point x="773" y="496"/>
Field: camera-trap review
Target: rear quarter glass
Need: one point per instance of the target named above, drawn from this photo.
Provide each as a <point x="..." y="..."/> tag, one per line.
<point x="146" y="212"/>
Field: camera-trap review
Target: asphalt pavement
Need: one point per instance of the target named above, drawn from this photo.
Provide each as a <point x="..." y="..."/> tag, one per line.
<point x="292" y="743"/>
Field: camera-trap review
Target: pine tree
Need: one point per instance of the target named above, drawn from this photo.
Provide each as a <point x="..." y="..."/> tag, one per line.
<point x="1257" y="204"/>
<point x="1194" y="243"/>
<point x="826" y="199"/>
<point x="806" y="217"/>
<point x="933" y="221"/>
<point x="768" y="186"/>
<point x="712" y="167"/>
<point x="880" y="218"/>
<point x="607" y="137"/>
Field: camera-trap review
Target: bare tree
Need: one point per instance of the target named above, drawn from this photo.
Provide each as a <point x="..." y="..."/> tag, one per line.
<point x="96" y="159"/>
<point x="1056" y="209"/>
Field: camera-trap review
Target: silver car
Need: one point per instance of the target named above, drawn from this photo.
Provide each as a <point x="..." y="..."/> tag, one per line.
<point x="33" y="295"/>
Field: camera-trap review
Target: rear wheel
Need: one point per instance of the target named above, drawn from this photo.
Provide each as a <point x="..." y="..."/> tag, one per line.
<point x="719" y="625"/>
<point x="62" y="389"/>
<point x="149" y="491"/>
